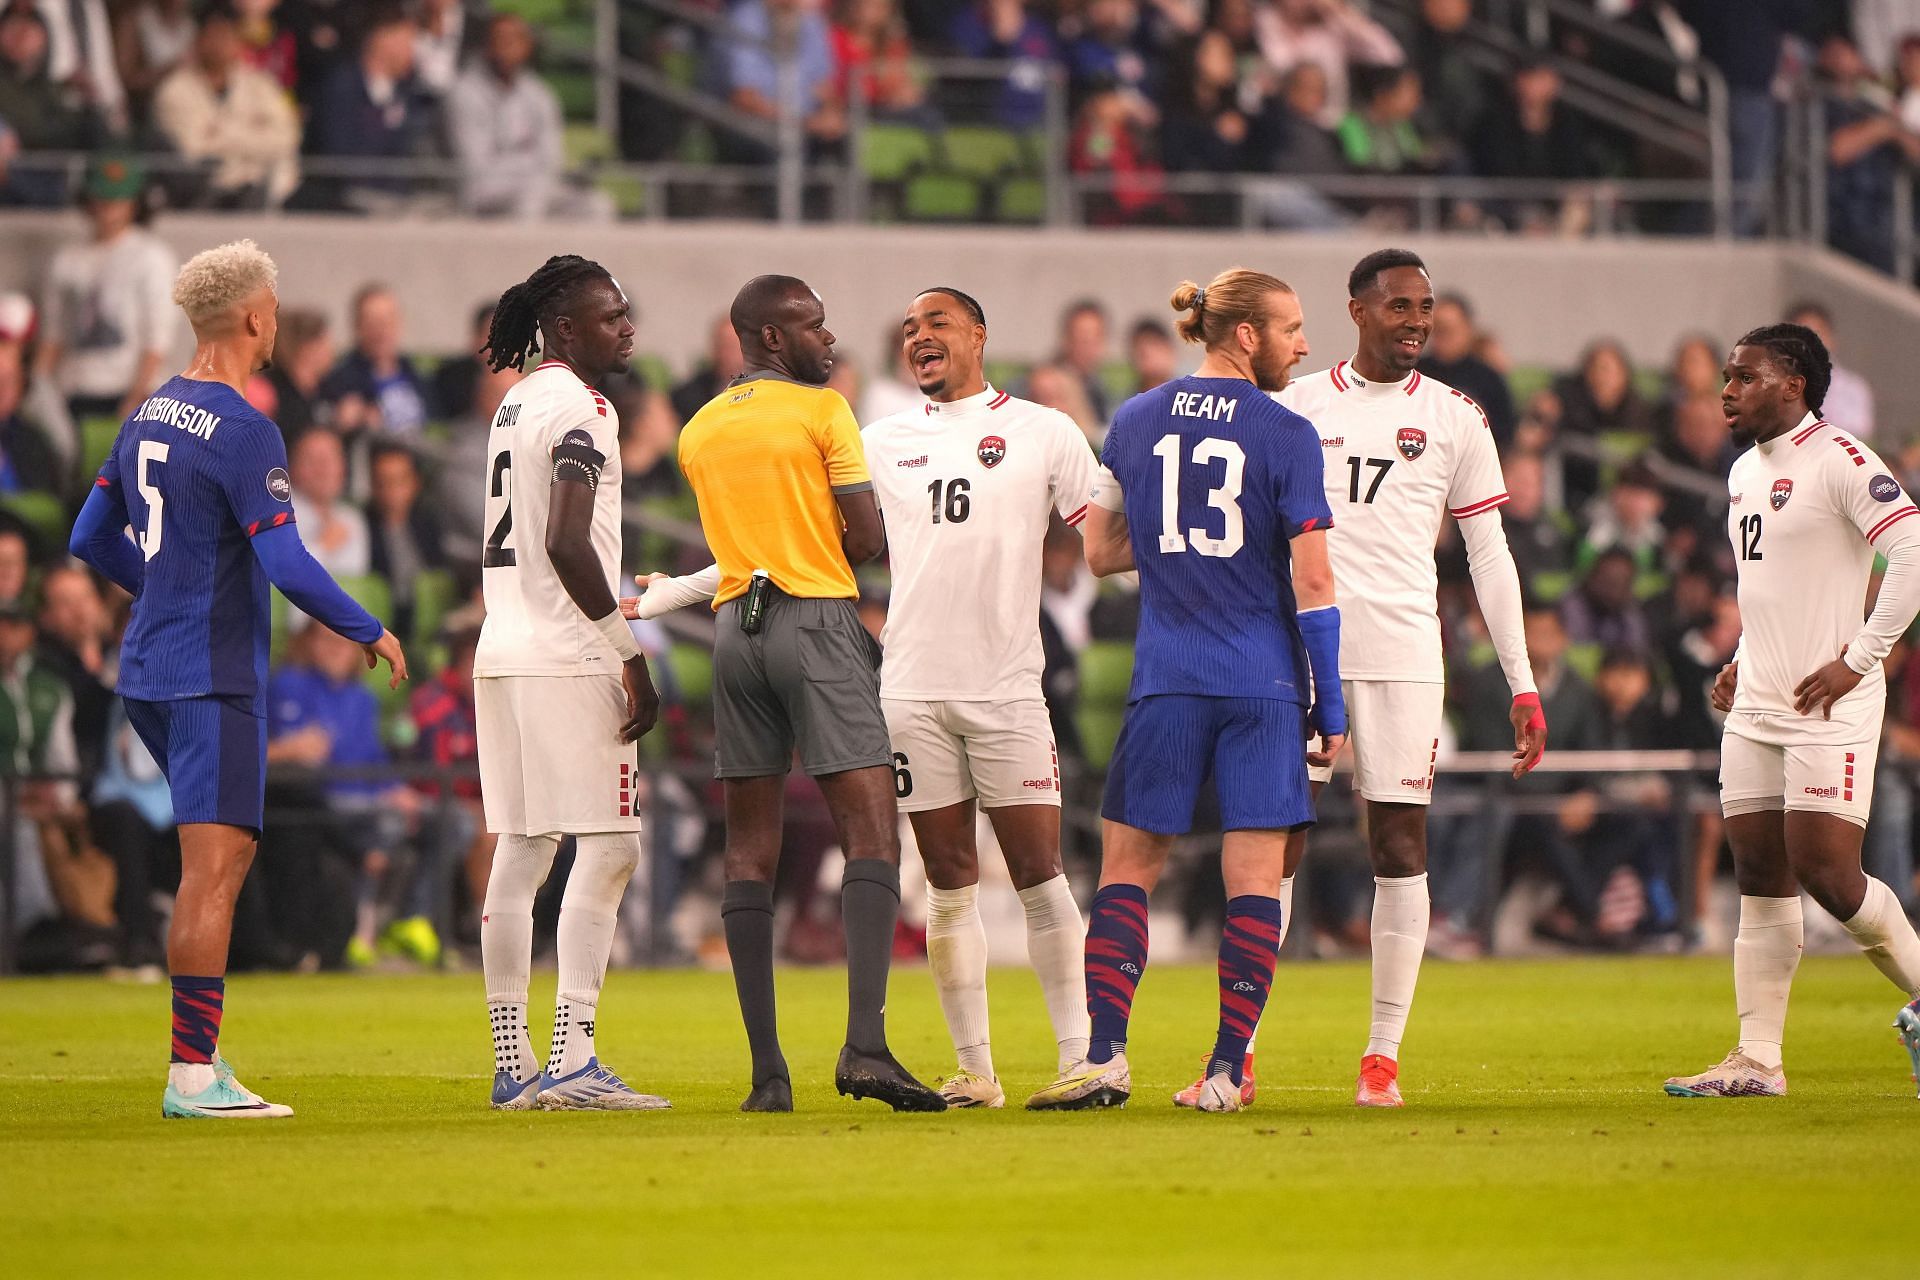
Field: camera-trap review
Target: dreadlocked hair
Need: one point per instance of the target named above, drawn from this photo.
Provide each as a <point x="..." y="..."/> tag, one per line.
<point x="514" y="333"/>
<point x="1797" y="350"/>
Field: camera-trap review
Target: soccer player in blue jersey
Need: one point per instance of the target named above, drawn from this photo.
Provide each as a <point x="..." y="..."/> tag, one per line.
<point x="192" y="513"/>
<point x="1213" y="491"/>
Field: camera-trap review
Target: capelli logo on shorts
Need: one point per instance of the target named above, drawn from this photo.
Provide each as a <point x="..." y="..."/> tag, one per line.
<point x="1039" y="784"/>
<point x="1823" y="793"/>
<point x="1416" y="784"/>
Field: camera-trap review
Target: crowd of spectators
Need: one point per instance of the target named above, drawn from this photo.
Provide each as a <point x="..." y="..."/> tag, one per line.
<point x="337" y="104"/>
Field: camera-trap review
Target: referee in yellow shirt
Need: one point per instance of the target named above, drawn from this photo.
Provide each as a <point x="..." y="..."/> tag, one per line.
<point x="776" y="465"/>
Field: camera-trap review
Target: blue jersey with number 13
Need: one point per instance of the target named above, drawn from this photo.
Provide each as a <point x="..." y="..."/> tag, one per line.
<point x="1217" y="478"/>
<point x="200" y="472"/>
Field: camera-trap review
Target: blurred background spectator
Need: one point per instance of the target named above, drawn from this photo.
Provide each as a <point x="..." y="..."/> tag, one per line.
<point x="215" y="108"/>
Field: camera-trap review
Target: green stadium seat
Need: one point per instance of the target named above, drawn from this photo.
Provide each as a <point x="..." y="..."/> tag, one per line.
<point x="1005" y="374"/>
<point x="979" y="151"/>
<point x="1106" y="674"/>
<point x="373" y="593"/>
<point x="1584" y="660"/>
<point x="1020" y="200"/>
<point x="1524" y="380"/>
<point x="942" y="197"/>
<point x="1117" y="380"/>
<point x="692" y="668"/>
<point x="96" y="442"/>
<point x="628" y="193"/>
<point x="576" y="91"/>
<point x="894" y="152"/>
<point x="43" y="513"/>
<point x="1551" y="585"/>
<point x="655" y="372"/>
<point x="585" y="144"/>
<point x="432" y="599"/>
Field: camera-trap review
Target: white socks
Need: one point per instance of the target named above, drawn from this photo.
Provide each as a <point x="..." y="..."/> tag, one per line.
<point x="1401" y="910"/>
<point x="957" y="954"/>
<point x="1884" y="933"/>
<point x="1766" y="952"/>
<point x="1286" y="923"/>
<point x="1056" y="947"/>
<point x="520" y="866"/>
<point x="602" y="865"/>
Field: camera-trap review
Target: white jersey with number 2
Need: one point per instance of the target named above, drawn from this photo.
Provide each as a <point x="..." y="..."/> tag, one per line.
<point x="1400" y="457"/>
<point x="966" y="489"/>
<point x="533" y="627"/>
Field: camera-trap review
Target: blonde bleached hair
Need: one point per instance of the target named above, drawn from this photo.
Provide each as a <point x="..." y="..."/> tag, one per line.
<point x="214" y="279"/>
<point x="1235" y="297"/>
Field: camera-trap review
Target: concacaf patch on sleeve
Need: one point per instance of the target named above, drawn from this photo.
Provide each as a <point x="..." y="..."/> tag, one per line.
<point x="279" y="485"/>
<point x="578" y="439"/>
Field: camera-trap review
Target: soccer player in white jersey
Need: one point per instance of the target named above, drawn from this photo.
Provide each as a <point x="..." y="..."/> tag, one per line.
<point x="967" y="481"/>
<point x="561" y="690"/>
<point x="1403" y="452"/>
<point x="1809" y="506"/>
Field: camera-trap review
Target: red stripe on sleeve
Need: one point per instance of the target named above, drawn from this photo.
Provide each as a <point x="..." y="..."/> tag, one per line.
<point x="100" y="482"/>
<point x="1808" y="434"/>
<point x="1892" y="520"/>
<point x="1079" y="515"/>
<point x="1498" y="500"/>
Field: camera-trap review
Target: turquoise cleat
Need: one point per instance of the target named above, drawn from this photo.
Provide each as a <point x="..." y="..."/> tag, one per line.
<point x="202" y="1091"/>
<point x="1907" y="1023"/>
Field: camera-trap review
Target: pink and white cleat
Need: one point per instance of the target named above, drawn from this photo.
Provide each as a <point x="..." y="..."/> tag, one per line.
<point x="1379" y="1084"/>
<point x="1190" y="1096"/>
<point x="1734" y="1076"/>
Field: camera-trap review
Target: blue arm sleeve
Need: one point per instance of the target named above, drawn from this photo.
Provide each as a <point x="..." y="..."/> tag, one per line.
<point x="1320" y="631"/>
<point x="100" y="538"/>
<point x="301" y="579"/>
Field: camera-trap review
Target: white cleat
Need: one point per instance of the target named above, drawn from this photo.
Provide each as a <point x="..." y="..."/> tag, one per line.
<point x="969" y="1089"/>
<point x="1086" y="1085"/>
<point x="1218" y="1094"/>
<point x="1734" y="1076"/>
<point x="594" y="1088"/>
<point x="208" y="1091"/>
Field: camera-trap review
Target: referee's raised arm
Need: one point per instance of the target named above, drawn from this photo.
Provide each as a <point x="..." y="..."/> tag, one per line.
<point x="786" y="502"/>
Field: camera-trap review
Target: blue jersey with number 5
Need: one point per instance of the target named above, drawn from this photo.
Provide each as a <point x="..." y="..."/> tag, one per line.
<point x="1217" y="478"/>
<point x="200" y="472"/>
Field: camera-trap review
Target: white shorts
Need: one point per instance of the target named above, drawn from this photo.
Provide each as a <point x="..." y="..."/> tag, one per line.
<point x="1001" y="753"/>
<point x="1393" y="730"/>
<point x="1815" y="777"/>
<point x="551" y="759"/>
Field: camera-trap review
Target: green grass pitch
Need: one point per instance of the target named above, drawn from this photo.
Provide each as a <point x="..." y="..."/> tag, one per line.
<point x="1536" y="1141"/>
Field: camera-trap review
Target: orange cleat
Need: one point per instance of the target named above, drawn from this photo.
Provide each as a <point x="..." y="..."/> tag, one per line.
<point x="1379" y="1084"/>
<point x="1190" y="1096"/>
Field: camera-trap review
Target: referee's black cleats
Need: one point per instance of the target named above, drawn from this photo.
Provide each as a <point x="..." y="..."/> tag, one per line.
<point x="879" y="1076"/>
<point x="772" y="1094"/>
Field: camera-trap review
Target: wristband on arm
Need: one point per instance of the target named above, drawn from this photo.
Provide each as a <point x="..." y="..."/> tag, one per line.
<point x="1320" y="632"/>
<point x="617" y="633"/>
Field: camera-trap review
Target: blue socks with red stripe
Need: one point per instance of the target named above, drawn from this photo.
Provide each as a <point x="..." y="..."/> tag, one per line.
<point x="1116" y="957"/>
<point x="197" y="1005"/>
<point x="1249" y="947"/>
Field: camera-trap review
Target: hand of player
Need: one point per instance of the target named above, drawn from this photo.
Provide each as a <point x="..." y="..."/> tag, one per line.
<point x="643" y="704"/>
<point x="630" y="605"/>
<point x="1331" y="744"/>
<point x="389" y="648"/>
<point x="1529" y="732"/>
<point x="1724" y="686"/>
<point x="1825" y="687"/>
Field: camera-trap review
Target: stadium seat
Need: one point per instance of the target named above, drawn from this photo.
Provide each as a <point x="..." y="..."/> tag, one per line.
<point x="894" y="152"/>
<point x="1117" y="380"/>
<point x="44" y="513"/>
<point x="1106" y="674"/>
<point x="96" y="442"/>
<point x="372" y="592"/>
<point x="692" y="668"/>
<point x="981" y="152"/>
<point x="941" y="197"/>
<point x="576" y="92"/>
<point x="1005" y="374"/>
<point x="432" y="598"/>
<point x="1020" y="200"/>
<point x="585" y="144"/>
<point x="1584" y="660"/>
<point x="655" y="372"/>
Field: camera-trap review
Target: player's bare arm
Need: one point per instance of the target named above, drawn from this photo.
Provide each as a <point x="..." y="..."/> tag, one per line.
<point x="1109" y="545"/>
<point x="865" y="536"/>
<point x="569" y="543"/>
<point x="1724" y="686"/>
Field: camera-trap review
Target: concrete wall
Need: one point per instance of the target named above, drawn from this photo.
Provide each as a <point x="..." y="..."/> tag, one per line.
<point x="1544" y="298"/>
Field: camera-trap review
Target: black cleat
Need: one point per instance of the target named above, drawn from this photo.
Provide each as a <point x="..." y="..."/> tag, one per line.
<point x="772" y="1094"/>
<point x="878" y="1075"/>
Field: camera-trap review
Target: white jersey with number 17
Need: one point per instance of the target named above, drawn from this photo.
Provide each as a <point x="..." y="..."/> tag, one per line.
<point x="1400" y="458"/>
<point x="533" y="627"/>
<point x="966" y="490"/>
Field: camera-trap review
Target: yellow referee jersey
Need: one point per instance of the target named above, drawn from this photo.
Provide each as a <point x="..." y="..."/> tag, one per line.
<point x="765" y="458"/>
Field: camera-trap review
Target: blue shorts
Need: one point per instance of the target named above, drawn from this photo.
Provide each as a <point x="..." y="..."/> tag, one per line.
<point x="1254" y="748"/>
<point x="213" y="752"/>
